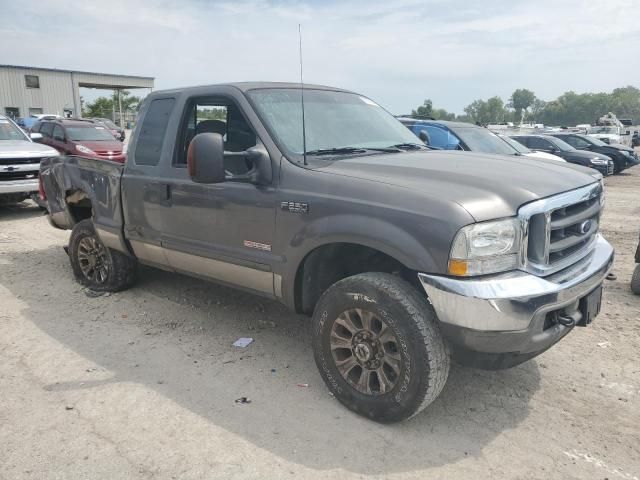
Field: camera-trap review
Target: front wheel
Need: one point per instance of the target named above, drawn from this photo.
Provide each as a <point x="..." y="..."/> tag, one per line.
<point x="96" y="266"/>
<point x="378" y="347"/>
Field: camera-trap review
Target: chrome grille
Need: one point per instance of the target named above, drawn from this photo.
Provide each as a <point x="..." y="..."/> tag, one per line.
<point x="572" y="228"/>
<point x="560" y="230"/>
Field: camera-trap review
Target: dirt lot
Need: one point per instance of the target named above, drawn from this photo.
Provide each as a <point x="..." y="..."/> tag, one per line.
<point x="142" y="384"/>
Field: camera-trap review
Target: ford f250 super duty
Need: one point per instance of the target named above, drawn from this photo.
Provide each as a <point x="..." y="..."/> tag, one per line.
<point x="404" y="256"/>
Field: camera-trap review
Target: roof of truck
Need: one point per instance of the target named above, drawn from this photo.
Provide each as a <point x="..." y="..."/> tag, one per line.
<point x="246" y="86"/>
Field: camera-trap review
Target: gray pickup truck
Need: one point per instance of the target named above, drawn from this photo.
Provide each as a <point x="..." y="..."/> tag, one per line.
<point x="404" y="256"/>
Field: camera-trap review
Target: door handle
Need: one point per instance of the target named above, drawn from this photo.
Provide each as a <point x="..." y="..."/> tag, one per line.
<point x="165" y="194"/>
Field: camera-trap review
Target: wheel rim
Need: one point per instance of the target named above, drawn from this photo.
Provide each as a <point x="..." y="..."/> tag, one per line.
<point x="366" y="351"/>
<point x="93" y="259"/>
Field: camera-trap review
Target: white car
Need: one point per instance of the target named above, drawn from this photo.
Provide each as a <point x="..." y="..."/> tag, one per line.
<point x="19" y="162"/>
<point x="529" y="153"/>
<point x="606" y="133"/>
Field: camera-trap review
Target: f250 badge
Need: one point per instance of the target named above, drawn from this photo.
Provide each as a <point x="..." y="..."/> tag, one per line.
<point x="295" y="207"/>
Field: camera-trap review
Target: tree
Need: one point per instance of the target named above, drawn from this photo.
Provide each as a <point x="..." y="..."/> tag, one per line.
<point x="100" y="107"/>
<point x="536" y="108"/>
<point x="424" y="110"/>
<point x="105" y="106"/>
<point x="520" y="101"/>
<point x="485" y="112"/>
<point x="442" y="114"/>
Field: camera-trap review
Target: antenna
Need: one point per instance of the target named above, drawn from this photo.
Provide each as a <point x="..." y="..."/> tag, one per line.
<point x="304" y="130"/>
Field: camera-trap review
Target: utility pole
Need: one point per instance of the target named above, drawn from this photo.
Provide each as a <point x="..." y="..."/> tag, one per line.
<point x="120" y="108"/>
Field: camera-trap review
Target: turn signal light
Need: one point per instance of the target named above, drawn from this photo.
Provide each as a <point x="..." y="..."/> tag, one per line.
<point x="458" y="267"/>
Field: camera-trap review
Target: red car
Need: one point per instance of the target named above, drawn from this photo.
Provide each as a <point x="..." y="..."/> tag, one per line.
<point x="80" y="137"/>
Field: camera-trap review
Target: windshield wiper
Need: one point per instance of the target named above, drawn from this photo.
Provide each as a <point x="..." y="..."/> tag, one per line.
<point x="350" y="150"/>
<point x="409" y="146"/>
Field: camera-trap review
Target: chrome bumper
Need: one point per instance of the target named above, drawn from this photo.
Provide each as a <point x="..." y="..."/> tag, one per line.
<point x="516" y="300"/>
<point x="19" y="186"/>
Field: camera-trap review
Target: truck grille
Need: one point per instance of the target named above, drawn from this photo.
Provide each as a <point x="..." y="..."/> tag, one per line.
<point x="5" y="176"/>
<point x="562" y="229"/>
<point x="18" y="161"/>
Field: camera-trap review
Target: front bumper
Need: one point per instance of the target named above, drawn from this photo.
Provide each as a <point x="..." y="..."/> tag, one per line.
<point x="511" y="314"/>
<point x="19" y="186"/>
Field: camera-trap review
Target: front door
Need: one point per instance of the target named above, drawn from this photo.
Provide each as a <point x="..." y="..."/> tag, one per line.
<point x="221" y="231"/>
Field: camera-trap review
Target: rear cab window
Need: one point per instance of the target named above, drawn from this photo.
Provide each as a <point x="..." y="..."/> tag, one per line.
<point x="152" y="132"/>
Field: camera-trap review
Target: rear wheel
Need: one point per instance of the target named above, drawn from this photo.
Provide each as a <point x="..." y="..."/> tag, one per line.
<point x="378" y="347"/>
<point x="635" y="280"/>
<point x="96" y="266"/>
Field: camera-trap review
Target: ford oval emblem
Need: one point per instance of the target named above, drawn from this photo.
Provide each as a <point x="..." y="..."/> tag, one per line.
<point x="585" y="226"/>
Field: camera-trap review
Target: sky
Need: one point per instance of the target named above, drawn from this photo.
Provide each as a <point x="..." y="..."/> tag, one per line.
<point x="398" y="52"/>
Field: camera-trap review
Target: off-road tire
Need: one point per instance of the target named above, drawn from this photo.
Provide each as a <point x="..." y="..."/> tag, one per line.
<point x="635" y="280"/>
<point x="122" y="268"/>
<point x="424" y="357"/>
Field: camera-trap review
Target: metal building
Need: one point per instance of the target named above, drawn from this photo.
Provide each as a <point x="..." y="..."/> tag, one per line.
<point x="26" y="91"/>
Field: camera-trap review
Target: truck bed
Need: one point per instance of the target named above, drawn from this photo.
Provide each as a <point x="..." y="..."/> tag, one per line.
<point x="71" y="183"/>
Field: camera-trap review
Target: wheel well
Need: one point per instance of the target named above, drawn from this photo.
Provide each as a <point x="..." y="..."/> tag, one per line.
<point x="79" y="205"/>
<point x="329" y="264"/>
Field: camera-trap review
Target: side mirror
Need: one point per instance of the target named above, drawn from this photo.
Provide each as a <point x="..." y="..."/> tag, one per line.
<point x="205" y="158"/>
<point x="424" y="136"/>
<point x="35" y="136"/>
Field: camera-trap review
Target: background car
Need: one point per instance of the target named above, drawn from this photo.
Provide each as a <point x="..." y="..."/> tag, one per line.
<point x="549" y="144"/>
<point x="116" y="131"/>
<point x="19" y="163"/>
<point x="621" y="155"/>
<point x="26" y="123"/>
<point x="529" y="153"/>
<point x="446" y="135"/>
<point x="80" y="137"/>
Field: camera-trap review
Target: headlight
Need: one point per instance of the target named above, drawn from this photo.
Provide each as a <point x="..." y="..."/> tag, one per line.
<point x="83" y="149"/>
<point x="486" y="247"/>
<point x="599" y="161"/>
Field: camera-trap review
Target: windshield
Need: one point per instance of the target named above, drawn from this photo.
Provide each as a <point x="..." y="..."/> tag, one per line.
<point x="80" y="134"/>
<point x="593" y="141"/>
<point x="9" y="131"/>
<point x="515" y="144"/>
<point x="608" y="130"/>
<point x="332" y="120"/>
<point x="480" y="139"/>
<point x="108" y="123"/>
<point x="561" y="144"/>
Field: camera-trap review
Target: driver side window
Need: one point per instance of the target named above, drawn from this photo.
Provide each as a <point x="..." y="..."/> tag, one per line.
<point x="225" y="118"/>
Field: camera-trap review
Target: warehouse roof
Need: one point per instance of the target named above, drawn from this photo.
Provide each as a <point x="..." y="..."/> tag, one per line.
<point x="74" y="71"/>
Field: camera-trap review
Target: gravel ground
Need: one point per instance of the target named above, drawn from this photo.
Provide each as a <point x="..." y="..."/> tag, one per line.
<point x="142" y="384"/>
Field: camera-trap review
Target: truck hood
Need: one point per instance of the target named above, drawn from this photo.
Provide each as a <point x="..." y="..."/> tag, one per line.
<point x="25" y="149"/>
<point x="487" y="186"/>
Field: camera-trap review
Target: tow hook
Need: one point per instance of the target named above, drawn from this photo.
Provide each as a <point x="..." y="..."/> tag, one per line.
<point x="566" y="320"/>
